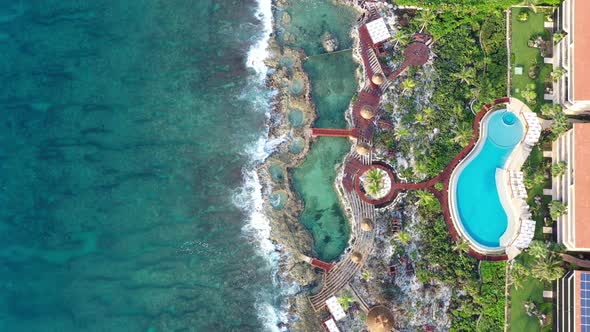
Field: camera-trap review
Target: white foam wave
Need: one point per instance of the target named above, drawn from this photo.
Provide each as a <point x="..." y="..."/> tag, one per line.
<point x="250" y="199"/>
<point x="259" y="51"/>
<point x="250" y="196"/>
<point x="264" y="147"/>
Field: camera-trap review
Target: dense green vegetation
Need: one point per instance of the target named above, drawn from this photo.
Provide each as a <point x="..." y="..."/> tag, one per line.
<point x="492" y="295"/>
<point x="469" y="70"/>
<point x="476" y="304"/>
<point x="472" y="6"/>
<point x="478" y="300"/>
<point x="436" y="107"/>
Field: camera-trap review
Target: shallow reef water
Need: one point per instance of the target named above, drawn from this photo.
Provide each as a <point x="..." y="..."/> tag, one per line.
<point x="333" y="85"/>
<point x="125" y="129"/>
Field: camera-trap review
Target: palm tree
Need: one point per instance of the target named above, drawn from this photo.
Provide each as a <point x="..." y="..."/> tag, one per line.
<point x="373" y="188"/>
<point x="560" y="124"/>
<point x="557" y="74"/>
<point x="401" y="133"/>
<point x="558" y="169"/>
<point x="428" y="113"/>
<point x="458" y="112"/>
<point x="463" y="134"/>
<point x="408" y="85"/>
<point x="403" y="237"/>
<point x="366" y="275"/>
<point x="519" y="273"/>
<point x="537" y="180"/>
<point x="374" y="175"/>
<point x="549" y="111"/>
<point x="461" y="246"/>
<point x="374" y="181"/>
<point x="425" y="18"/>
<point x="420" y="118"/>
<point x="548" y="269"/>
<point x="538" y="249"/>
<point x="401" y="38"/>
<point x="426" y="199"/>
<point x="420" y="169"/>
<point x="557" y="209"/>
<point x="345" y="299"/>
<point x="466" y="75"/>
<point x="530" y="94"/>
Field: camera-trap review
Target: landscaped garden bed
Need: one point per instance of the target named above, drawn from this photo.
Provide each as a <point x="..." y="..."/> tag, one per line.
<point x="530" y="43"/>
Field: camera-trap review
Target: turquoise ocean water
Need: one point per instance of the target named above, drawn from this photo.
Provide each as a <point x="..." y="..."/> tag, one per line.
<point x="129" y="134"/>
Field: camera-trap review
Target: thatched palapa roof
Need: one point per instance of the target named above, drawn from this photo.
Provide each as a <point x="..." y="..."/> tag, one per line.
<point x="380" y="319"/>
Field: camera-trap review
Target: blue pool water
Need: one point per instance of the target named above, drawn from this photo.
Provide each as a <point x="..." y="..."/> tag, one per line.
<point x="478" y="202"/>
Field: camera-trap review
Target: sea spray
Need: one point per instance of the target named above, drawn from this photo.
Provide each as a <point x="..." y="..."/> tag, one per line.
<point x="250" y="197"/>
<point x="258" y="53"/>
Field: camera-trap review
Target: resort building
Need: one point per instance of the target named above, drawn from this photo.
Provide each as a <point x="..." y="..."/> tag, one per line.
<point x="571" y="54"/>
<point x="378" y="31"/>
<point x="573" y="187"/>
<point x="573" y="302"/>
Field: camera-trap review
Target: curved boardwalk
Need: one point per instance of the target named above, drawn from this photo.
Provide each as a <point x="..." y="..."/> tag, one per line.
<point x="340" y="274"/>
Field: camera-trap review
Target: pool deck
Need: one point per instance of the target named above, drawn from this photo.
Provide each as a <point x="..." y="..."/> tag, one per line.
<point x="359" y="206"/>
<point x="513" y="206"/>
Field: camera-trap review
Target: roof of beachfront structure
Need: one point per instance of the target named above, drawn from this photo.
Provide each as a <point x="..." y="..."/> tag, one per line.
<point x="378" y="31"/>
<point x="331" y="326"/>
<point x="335" y="308"/>
<point x="582" y="184"/>
<point x="366" y="225"/>
<point x="581" y="34"/>
<point x="380" y="319"/>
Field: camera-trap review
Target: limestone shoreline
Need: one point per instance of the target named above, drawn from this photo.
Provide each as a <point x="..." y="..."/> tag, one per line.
<point x="289" y="235"/>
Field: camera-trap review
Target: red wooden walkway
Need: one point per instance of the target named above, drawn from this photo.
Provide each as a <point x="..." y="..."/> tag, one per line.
<point x="331" y="132"/>
<point x="321" y="264"/>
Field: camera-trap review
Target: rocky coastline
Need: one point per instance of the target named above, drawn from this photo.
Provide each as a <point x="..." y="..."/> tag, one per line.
<point x="292" y="240"/>
<point x="292" y="116"/>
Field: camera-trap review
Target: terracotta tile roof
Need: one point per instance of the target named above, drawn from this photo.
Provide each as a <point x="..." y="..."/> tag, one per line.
<point x="581" y="59"/>
<point x="582" y="184"/>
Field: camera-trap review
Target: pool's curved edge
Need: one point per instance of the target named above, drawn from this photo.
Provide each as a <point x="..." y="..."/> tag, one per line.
<point x="453" y="188"/>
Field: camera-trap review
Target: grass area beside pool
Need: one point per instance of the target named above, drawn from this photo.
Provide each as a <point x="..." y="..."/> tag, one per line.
<point x="524" y="56"/>
<point x="532" y="289"/>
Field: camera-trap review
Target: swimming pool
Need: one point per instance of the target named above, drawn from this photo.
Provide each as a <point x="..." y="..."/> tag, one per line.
<point x="477" y="202"/>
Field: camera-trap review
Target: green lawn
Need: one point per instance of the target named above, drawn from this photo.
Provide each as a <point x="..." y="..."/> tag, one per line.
<point x="531" y="290"/>
<point x="524" y="56"/>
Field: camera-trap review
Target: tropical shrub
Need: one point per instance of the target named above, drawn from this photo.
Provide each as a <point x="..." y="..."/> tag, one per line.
<point x="558" y="169"/>
<point x="523" y="16"/>
<point x="557" y="209"/>
<point x="529" y="94"/>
